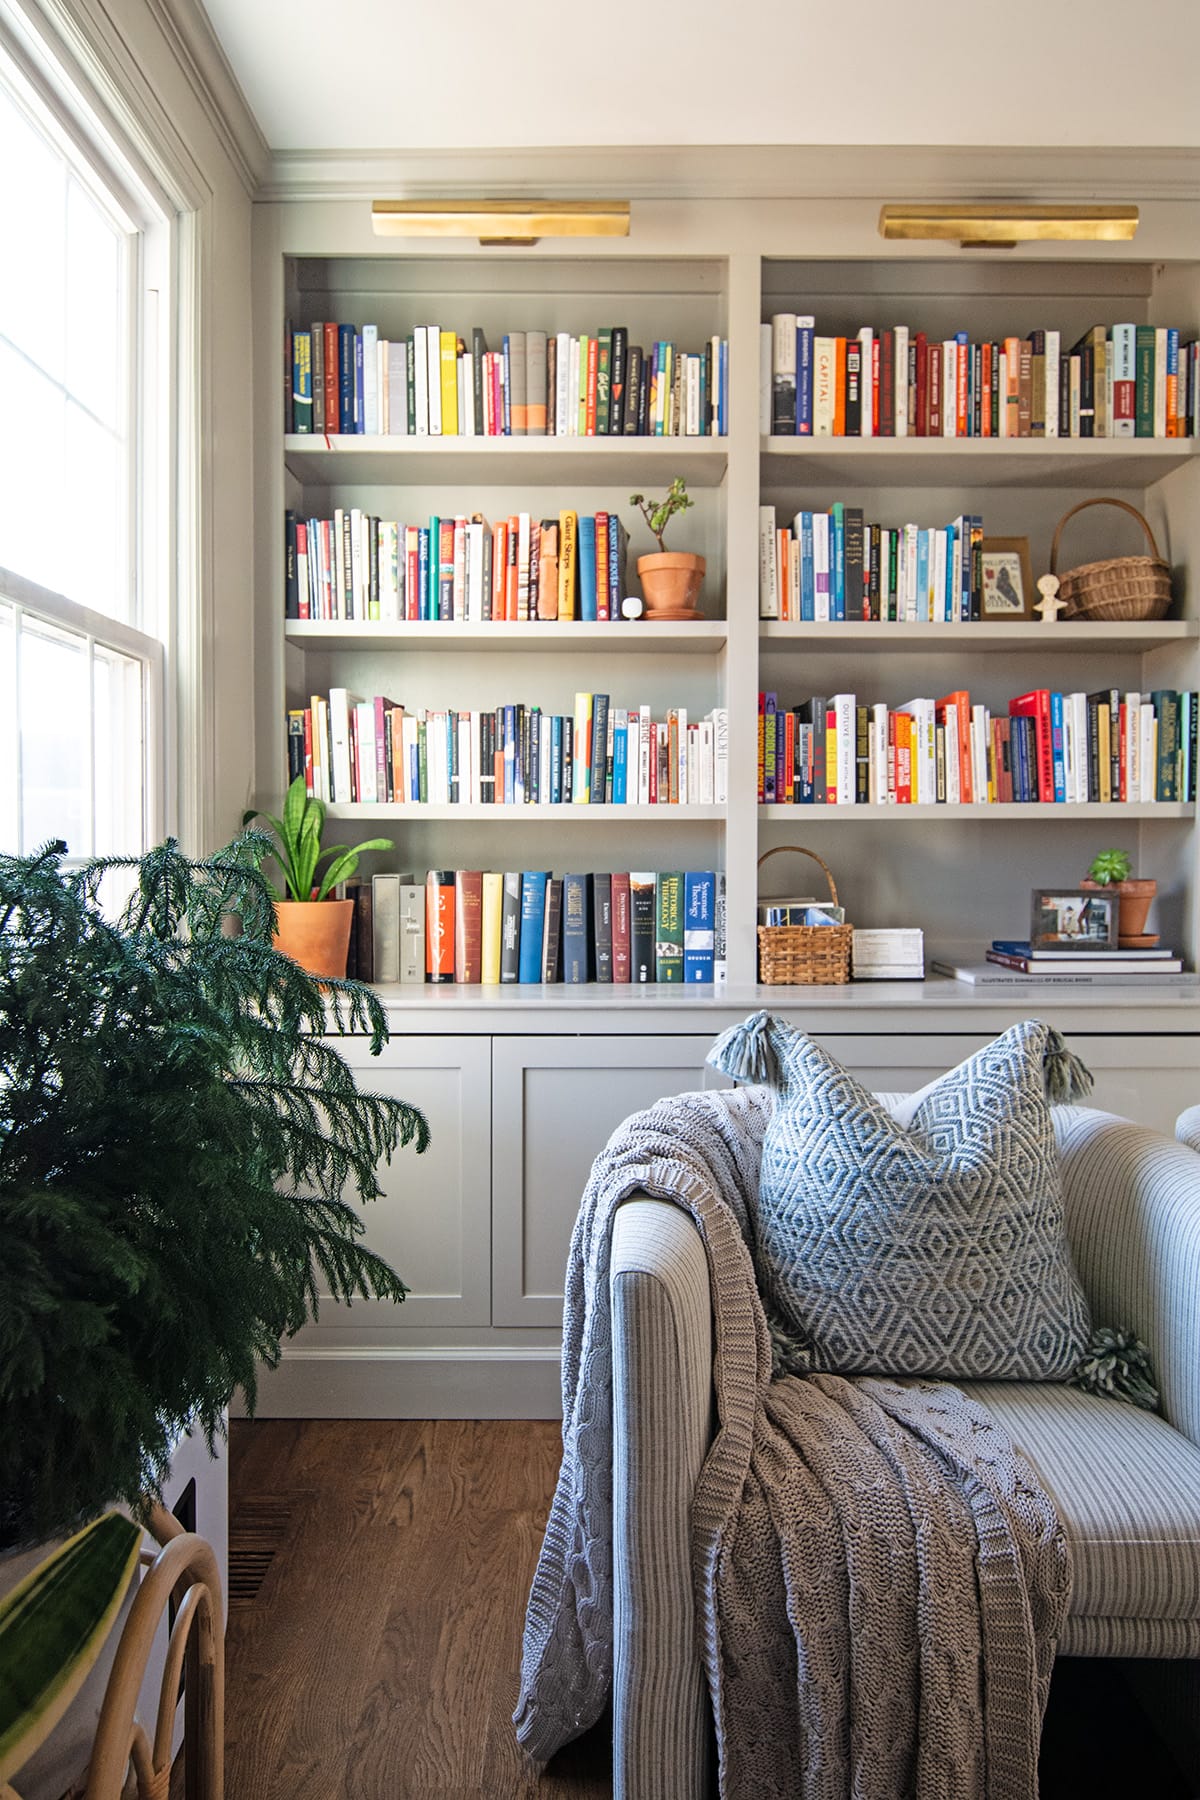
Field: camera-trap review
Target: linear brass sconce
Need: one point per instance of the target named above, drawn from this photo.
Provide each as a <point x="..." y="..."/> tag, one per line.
<point x="500" y="221"/>
<point x="1000" y="227"/>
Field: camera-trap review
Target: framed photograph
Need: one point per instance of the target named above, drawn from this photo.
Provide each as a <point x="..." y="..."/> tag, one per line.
<point x="1073" y="919"/>
<point x="1007" y="582"/>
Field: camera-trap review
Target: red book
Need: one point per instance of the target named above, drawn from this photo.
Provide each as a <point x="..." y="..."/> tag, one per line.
<point x="621" y="927"/>
<point x="1036" y="706"/>
<point x="499" y="567"/>
<point x="468" y="925"/>
<point x="512" y="573"/>
<point x="439" y="925"/>
<point x="935" y="391"/>
<point x="839" y="387"/>
<point x="920" y="426"/>
<point x="331" y="376"/>
<point x="412" y="566"/>
<point x="874" y="388"/>
<point x="960" y="700"/>
<point x="602" y="611"/>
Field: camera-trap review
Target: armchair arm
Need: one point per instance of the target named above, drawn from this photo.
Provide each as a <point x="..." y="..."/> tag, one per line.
<point x="1187" y="1127"/>
<point x="1132" y="1202"/>
<point x="662" y="1425"/>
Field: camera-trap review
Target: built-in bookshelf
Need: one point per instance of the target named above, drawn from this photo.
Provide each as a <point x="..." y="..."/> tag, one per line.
<point x="962" y="872"/>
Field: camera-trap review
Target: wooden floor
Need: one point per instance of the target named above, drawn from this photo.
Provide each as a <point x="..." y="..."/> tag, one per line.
<point x="378" y="1658"/>
<point x="379" y="1572"/>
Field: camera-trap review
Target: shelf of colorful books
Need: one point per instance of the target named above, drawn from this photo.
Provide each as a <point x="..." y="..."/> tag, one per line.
<point x="1070" y="636"/>
<point x="327" y="461"/>
<point x="974" y="462"/>
<point x="705" y="637"/>
<point x="1045" y="813"/>
<point x="540" y="812"/>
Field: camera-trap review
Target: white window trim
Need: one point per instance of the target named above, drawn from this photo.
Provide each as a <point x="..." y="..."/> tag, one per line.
<point x="26" y="596"/>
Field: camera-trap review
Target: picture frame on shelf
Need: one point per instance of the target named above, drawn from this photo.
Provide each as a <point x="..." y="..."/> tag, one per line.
<point x="1008" y="590"/>
<point x="1067" y="919"/>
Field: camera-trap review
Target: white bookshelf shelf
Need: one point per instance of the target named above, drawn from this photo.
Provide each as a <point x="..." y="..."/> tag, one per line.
<point x="531" y="815"/>
<point x="707" y="637"/>
<point x="974" y="462"/>
<point x="554" y="461"/>
<point x="1036" y="812"/>
<point x="1064" y="636"/>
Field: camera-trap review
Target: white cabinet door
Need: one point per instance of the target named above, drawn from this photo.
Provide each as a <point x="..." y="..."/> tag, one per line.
<point x="555" y="1103"/>
<point x="431" y="1223"/>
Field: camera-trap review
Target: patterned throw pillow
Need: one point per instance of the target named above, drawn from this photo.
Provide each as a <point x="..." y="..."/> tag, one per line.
<point x="928" y="1241"/>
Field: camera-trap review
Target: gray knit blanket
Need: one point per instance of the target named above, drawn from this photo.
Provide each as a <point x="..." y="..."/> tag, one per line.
<point x="880" y="1578"/>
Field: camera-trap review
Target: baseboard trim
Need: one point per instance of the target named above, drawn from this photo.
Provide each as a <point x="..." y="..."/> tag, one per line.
<point x="456" y="1382"/>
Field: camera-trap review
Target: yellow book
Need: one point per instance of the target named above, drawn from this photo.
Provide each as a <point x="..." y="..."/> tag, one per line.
<point x="581" y="759"/>
<point x="493" y="903"/>
<point x="568" y="528"/>
<point x="449" y="362"/>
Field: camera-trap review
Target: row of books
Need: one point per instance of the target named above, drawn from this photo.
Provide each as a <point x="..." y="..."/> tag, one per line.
<point x="1120" y="970"/>
<point x="341" y="380"/>
<point x="378" y="752"/>
<point x="357" y="566"/>
<point x="1050" y="747"/>
<point x="525" y="926"/>
<point x="832" y="566"/>
<point x="1116" y="381"/>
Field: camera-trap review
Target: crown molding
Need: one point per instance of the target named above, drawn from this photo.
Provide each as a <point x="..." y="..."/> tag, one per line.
<point x="740" y="172"/>
<point x="196" y="48"/>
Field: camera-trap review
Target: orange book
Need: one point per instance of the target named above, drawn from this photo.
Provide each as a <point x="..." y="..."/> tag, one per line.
<point x="904" y="725"/>
<point x="547" y="605"/>
<point x="839" y="387"/>
<point x="439" y="925"/>
<point x="499" y="567"/>
<point x="1010" y="399"/>
<point x="960" y="702"/>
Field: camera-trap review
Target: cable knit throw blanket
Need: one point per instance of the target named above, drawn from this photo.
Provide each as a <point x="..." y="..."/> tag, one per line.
<point x="880" y="1579"/>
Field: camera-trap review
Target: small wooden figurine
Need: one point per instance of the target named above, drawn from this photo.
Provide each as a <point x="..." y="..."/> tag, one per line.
<point x="1049" y="605"/>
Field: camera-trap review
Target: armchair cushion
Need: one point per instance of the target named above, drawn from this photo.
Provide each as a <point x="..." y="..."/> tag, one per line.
<point x="927" y="1240"/>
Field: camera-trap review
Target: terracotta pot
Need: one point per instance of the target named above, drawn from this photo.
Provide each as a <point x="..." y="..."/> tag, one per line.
<point x="671" y="582"/>
<point x="315" y="934"/>
<point x="1134" y="897"/>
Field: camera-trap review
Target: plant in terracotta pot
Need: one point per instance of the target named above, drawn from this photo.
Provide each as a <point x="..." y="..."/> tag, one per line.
<point x="312" y="929"/>
<point x="671" y="579"/>
<point x="1113" y="868"/>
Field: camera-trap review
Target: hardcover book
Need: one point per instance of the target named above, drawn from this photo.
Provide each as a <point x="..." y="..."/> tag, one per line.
<point x="576" y="932"/>
<point x="439" y="926"/>
<point x="668" y="927"/>
<point x="642" y="917"/>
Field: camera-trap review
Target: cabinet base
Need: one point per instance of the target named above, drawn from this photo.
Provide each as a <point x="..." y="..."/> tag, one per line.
<point x="441" y="1383"/>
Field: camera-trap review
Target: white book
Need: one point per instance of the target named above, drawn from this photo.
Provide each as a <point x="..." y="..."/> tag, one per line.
<point x="475" y="571"/>
<point x="706" y="787"/>
<point x="824" y="384"/>
<point x="1052" y="369"/>
<point x="949" y="387"/>
<point x="647" y="746"/>
<point x="466" y="399"/>
<point x="421" y="381"/>
<point x="381" y="350"/>
<point x="924" y="748"/>
<point x="768" y="593"/>
<point x="1123" y="360"/>
<point x="981" y="727"/>
<point x="370" y="380"/>
<point x="1160" y="381"/>
<point x="821" y="568"/>
<point x="573" y="379"/>
<point x="844" y="707"/>
<point x="720" y="719"/>
<point x="1133" y="742"/>
<point x="900" y="352"/>
<point x="866" y="339"/>
<point x="941" y="612"/>
<point x="458" y="586"/>
<point x="562" y="383"/>
<point x="322" y="773"/>
<point x="1147" y="758"/>
<point x="877" y="781"/>
<point x="385" y="926"/>
<point x="633" y="757"/>
<point x="468" y="767"/>
<point x="389" y="570"/>
<point x="681" y="740"/>
<point x="364" y="725"/>
<point x="911" y="612"/>
<point x="952" y="752"/>
<point x="397" y="378"/>
<point x="412" y="934"/>
<point x="693" y="396"/>
<point x="433" y="371"/>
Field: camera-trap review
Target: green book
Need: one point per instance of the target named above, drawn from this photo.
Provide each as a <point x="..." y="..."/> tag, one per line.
<point x="668" y="927"/>
<point x="1165" y="702"/>
<point x="1144" y="377"/>
<point x="603" y="379"/>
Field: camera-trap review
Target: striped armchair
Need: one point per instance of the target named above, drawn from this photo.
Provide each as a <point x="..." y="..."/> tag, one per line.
<point x="1126" y="1482"/>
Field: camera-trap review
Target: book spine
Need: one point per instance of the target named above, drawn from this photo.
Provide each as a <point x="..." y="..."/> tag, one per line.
<point x="439" y="926"/>
<point x="575" y="930"/>
<point x="668" y="927"/>
<point x="699" y="916"/>
<point x="510" y="928"/>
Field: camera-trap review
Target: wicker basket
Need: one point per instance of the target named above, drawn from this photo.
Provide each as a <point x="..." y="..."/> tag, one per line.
<point x="1123" y="587"/>
<point x="804" y="955"/>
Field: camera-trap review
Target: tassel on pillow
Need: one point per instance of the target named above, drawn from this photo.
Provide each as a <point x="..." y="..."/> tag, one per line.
<point x="745" y="1052"/>
<point x="1066" y="1077"/>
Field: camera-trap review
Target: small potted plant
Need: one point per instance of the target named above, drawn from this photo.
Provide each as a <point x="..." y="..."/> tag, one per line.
<point x="1112" y="868"/>
<point x="671" y="579"/>
<point x="313" y="929"/>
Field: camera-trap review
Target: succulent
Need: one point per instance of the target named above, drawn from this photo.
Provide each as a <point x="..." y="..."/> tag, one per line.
<point x="1111" y="866"/>
<point x="658" y="513"/>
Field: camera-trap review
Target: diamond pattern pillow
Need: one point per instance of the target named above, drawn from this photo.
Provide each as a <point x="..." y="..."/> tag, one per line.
<point x="929" y="1243"/>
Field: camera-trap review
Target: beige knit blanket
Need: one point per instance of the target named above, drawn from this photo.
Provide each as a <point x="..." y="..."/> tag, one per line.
<point x="881" y="1580"/>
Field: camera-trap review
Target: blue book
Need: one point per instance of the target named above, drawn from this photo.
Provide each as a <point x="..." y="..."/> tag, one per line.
<point x="1012" y="946"/>
<point x="433" y="574"/>
<point x="1058" y="748"/>
<point x="620" y="768"/>
<point x="950" y="583"/>
<point x="699" y="923"/>
<point x="808" y="584"/>
<point x="358" y="382"/>
<point x="533" y="919"/>
<point x="837" y="561"/>
<point x="805" y="331"/>
<point x="423" y="571"/>
<point x="922" y="575"/>
<point x="576" y="929"/>
<point x="509" y="747"/>
<point x="346" y="379"/>
<point x="723" y="420"/>
<point x="586" y="563"/>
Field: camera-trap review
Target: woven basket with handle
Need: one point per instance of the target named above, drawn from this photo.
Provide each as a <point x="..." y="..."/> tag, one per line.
<point x="804" y="955"/>
<point x="1123" y="587"/>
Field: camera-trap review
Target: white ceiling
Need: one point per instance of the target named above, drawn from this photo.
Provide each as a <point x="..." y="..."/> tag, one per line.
<point x="386" y="75"/>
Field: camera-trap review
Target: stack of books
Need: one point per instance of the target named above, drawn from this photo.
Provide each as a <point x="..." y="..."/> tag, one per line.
<point x="891" y="955"/>
<point x="1012" y="961"/>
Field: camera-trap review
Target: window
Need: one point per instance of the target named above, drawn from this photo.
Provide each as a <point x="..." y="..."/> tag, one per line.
<point x="82" y="603"/>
